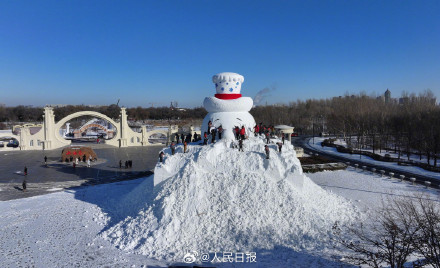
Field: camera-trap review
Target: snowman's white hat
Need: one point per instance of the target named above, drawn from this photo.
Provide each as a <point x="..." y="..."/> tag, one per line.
<point x="228" y="85"/>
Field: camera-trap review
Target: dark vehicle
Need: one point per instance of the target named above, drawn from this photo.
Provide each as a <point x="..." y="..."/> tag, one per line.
<point x="294" y="134"/>
<point x="13" y="143"/>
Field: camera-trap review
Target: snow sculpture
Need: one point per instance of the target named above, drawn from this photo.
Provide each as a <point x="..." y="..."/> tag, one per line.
<point x="228" y="108"/>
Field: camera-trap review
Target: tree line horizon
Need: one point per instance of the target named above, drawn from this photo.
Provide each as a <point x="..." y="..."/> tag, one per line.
<point x="412" y="126"/>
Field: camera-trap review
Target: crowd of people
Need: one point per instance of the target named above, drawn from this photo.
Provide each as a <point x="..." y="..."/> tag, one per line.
<point x="128" y="164"/>
<point x="213" y="133"/>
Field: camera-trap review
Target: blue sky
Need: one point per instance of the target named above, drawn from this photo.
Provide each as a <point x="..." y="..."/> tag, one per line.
<point x="96" y="52"/>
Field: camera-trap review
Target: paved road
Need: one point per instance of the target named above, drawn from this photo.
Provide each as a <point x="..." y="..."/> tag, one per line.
<point x="420" y="179"/>
<point x="56" y="175"/>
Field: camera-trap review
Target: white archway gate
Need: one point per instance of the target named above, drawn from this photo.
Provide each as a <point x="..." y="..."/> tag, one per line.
<point x="49" y="137"/>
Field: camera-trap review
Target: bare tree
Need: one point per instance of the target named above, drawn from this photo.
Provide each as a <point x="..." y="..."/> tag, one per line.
<point x="403" y="227"/>
<point x="386" y="240"/>
<point x="427" y="240"/>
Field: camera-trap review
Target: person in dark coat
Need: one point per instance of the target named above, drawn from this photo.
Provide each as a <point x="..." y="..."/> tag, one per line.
<point x="220" y="132"/>
<point x="120" y="163"/>
<point x="283" y="137"/>
<point x="182" y="137"/>
<point x="195" y="138"/>
<point x="130" y="163"/>
<point x="188" y="138"/>
<point x="45" y="160"/>
<point x="237" y="133"/>
<point x="267" y="137"/>
<point x="24" y="184"/>
<point x="161" y="155"/>
<point x="25" y="170"/>
<point x="177" y="138"/>
<point x="173" y="148"/>
<point x="240" y="145"/>
<point x="280" y="145"/>
<point x="213" y="135"/>
<point x="126" y="164"/>
<point x="71" y="158"/>
<point x="266" y="149"/>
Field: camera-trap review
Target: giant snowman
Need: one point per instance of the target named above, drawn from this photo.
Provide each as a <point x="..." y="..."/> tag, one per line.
<point x="228" y="108"/>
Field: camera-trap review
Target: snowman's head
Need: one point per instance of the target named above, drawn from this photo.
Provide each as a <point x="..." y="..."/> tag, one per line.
<point x="228" y="83"/>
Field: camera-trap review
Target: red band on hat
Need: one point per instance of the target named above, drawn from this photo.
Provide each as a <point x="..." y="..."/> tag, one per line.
<point x="228" y="96"/>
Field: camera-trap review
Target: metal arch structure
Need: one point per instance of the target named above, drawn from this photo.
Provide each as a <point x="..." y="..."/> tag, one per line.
<point x="92" y="125"/>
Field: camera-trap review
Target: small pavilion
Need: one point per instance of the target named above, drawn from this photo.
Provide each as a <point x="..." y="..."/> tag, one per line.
<point x="286" y="130"/>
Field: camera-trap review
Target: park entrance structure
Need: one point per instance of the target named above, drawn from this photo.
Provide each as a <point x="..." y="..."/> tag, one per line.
<point x="49" y="136"/>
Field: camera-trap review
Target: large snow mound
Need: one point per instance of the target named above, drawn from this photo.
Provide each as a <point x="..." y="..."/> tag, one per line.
<point x="216" y="199"/>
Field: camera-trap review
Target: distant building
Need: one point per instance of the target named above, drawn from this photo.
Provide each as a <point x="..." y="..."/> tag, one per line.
<point x="387" y="96"/>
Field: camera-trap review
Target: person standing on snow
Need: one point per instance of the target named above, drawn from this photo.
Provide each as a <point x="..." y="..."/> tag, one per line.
<point x="185" y="146"/>
<point x="188" y="138"/>
<point x="88" y="162"/>
<point x="279" y="146"/>
<point x="173" y="148"/>
<point x="25" y="170"/>
<point x="213" y="135"/>
<point x="256" y="130"/>
<point x="266" y="149"/>
<point x="45" y="160"/>
<point x="120" y="164"/>
<point x="24" y="185"/>
<point x="237" y="133"/>
<point x="205" y="139"/>
<point x="220" y="131"/>
<point x="195" y="138"/>
<point x="240" y="145"/>
<point x="242" y="132"/>
<point x="161" y="155"/>
<point x="267" y="137"/>
<point x="283" y="137"/>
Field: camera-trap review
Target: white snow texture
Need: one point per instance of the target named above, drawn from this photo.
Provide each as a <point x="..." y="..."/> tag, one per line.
<point x="215" y="199"/>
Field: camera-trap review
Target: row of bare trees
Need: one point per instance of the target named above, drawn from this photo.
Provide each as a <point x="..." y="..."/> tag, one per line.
<point x="35" y="114"/>
<point x="409" y="127"/>
<point x="403" y="228"/>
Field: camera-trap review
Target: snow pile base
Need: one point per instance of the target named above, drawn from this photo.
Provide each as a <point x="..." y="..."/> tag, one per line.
<point x="217" y="199"/>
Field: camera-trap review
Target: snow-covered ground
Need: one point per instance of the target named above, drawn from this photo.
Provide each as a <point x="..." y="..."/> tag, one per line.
<point x="331" y="150"/>
<point x="100" y="225"/>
